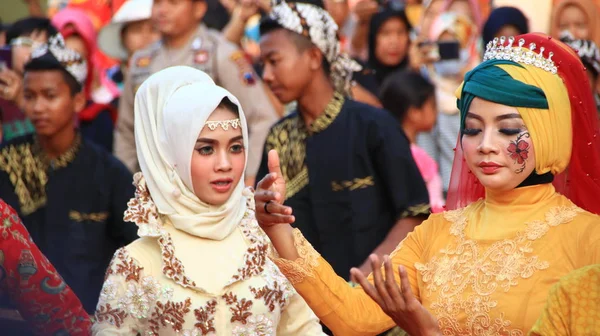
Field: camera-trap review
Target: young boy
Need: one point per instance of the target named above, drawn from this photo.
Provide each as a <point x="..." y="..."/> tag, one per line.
<point x="70" y="193"/>
<point x="351" y="180"/>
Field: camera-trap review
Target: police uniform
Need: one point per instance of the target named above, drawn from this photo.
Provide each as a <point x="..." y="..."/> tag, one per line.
<point x="210" y="52"/>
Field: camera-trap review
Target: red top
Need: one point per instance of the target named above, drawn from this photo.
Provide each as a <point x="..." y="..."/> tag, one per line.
<point x="34" y="286"/>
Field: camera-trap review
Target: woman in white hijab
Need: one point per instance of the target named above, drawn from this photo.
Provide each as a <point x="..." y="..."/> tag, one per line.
<point x="201" y="266"/>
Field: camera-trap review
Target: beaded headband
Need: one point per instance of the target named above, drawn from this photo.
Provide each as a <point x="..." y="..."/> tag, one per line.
<point x="212" y="125"/>
<point x="496" y="50"/>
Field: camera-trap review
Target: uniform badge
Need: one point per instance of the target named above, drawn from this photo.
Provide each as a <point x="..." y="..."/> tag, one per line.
<point x="143" y="62"/>
<point x="201" y="57"/>
<point x="245" y="68"/>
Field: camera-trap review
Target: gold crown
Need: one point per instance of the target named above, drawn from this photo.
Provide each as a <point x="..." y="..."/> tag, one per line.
<point x="495" y="50"/>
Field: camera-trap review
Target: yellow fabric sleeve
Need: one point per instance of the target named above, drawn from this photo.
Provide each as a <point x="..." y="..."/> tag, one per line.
<point x="345" y="310"/>
<point x="573" y="306"/>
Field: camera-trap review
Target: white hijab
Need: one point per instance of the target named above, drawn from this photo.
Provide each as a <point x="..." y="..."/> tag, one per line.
<point x="171" y="108"/>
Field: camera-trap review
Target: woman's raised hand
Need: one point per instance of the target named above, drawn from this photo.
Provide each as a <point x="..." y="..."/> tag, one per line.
<point x="399" y="303"/>
<point x="270" y="195"/>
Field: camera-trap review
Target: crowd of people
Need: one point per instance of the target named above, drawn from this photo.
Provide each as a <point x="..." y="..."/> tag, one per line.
<point x="300" y="167"/>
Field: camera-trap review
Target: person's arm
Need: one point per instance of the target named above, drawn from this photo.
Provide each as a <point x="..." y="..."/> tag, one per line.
<point x="124" y="142"/>
<point x="363" y="11"/>
<point x="362" y="95"/>
<point x="234" y="30"/>
<point x="43" y="299"/>
<point x="113" y="318"/>
<point x="345" y="310"/>
<point x="237" y="75"/>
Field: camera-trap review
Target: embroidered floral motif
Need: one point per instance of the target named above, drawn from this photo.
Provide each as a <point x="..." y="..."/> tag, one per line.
<point x="141" y="297"/>
<point x="114" y="316"/>
<point x="258" y="325"/>
<point x="170" y="312"/>
<point x="302" y="267"/>
<point x="271" y="296"/>
<point x="109" y="291"/>
<point x="254" y="262"/>
<point x="240" y="310"/>
<point x="142" y="211"/>
<point x="205" y="317"/>
<point x="172" y="267"/>
<point x="124" y="265"/>
<point x="464" y="264"/>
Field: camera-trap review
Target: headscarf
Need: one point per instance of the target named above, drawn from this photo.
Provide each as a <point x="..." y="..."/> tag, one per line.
<point x="588" y="7"/>
<point x="377" y="20"/>
<point x="171" y="109"/>
<point x="315" y="23"/>
<point x="504" y="16"/>
<point x="71" y="21"/>
<point x="476" y="11"/>
<point x="546" y="82"/>
<point x="587" y="50"/>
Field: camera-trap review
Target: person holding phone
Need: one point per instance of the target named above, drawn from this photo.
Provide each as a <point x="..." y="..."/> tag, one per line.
<point x="455" y="52"/>
<point x="21" y="38"/>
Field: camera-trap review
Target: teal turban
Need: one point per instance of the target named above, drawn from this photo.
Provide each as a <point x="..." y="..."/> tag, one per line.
<point x="489" y="82"/>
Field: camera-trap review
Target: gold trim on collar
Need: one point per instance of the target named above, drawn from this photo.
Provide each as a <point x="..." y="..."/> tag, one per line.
<point x="288" y="138"/>
<point x="26" y="166"/>
<point x="63" y="160"/>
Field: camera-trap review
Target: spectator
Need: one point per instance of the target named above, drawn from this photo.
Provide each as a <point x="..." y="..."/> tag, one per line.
<point x="447" y="74"/>
<point x="411" y="99"/>
<point x="22" y="36"/>
<point x="41" y="296"/>
<point x="505" y="21"/>
<point x="580" y="17"/>
<point x="369" y="194"/>
<point x="96" y="121"/>
<point x="389" y="42"/>
<point x="590" y="57"/>
<point x="186" y="41"/>
<point x="70" y="193"/>
<point x="130" y="30"/>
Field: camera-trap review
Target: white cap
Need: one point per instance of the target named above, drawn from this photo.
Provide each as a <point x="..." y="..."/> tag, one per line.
<point x="109" y="38"/>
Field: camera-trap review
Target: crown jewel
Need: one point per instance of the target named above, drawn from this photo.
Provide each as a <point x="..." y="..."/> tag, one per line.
<point x="495" y="49"/>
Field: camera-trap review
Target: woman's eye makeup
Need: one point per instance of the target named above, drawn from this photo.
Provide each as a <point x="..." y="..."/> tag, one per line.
<point x="206" y="150"/>
<point x="237" y="148"/>
<point x="471" y="131"/>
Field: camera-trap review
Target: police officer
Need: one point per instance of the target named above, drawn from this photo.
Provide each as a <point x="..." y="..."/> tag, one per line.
<point x="185" y="42"/>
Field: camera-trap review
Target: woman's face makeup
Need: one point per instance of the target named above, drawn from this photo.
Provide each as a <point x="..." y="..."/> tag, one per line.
<point x="218" y="159"/>
<point x="497" y="145"/>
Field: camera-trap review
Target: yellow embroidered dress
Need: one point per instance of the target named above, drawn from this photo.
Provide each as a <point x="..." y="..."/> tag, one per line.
<point x="482" y="270"/>
<point x="173" y="283"/>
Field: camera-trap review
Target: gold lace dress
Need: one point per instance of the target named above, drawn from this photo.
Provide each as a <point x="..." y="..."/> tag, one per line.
<point x="482" y="270"/>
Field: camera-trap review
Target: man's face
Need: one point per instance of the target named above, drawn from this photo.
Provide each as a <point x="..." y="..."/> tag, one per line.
<point x="22" y="47"/>
<point x="287" y="70"/>
<point x="176" y="17"/>
<point x="48" y="101"/>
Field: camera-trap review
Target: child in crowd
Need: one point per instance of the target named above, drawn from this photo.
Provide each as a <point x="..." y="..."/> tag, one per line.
<point x="411" y="99"/>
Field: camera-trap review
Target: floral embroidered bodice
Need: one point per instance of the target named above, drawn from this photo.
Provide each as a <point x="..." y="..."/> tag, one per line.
<point x="150" y="291"/>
